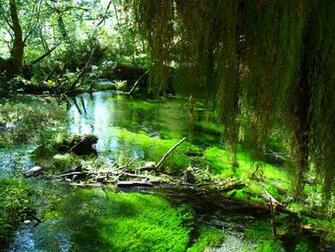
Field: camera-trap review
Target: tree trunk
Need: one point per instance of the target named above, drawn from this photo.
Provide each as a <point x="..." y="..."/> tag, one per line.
<point x="15" y="61"/>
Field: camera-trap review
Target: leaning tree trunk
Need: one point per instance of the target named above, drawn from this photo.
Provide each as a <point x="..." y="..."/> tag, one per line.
<point x="15" y="61"/>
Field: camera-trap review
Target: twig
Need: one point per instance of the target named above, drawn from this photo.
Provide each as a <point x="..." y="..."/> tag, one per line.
<point x="69" y="174"/>
<point x="272" y="207"/>
<point x="45" y="54"/>
<point x="272" y="199"/>
<point x="136" y="83"/>
<point x="169" y="152"/>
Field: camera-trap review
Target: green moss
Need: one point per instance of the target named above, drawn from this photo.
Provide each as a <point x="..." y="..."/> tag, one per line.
<point x="119" y="222"/>
<point x="154" y="148"/>
<point x="208" y="237"/>
<point x="273" y="179"/>
<point x="210" y="127"/>
<point x="65" y="162"/>
<point x="304" y="245"/>
<point x="261" y="233"/>
<point x="15" y="207"/>
<point x="326" y="226"/>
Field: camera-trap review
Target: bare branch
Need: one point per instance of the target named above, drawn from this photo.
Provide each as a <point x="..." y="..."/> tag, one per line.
<point x="169" y="152"/>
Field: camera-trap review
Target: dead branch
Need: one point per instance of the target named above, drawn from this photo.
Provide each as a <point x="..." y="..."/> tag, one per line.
<point x="134" y="183"/>
<point x="136" y="83"/>
<point x="45" y="54"/>
<point x="169" y="152"/>
<point x="271" y="199"/>
<point x="69" y="174"/>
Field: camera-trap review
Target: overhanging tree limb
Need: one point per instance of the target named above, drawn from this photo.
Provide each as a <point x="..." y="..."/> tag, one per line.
<point x="45" y="54"/>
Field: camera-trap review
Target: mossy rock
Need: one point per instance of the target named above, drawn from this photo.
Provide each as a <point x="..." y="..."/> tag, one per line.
<point x="65" y="162"/>
<point x="80" y="145"/>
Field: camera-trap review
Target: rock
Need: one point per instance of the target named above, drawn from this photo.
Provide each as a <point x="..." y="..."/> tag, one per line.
<point x="36" y="170"/>
<point x="85" y="145"/>
<point x="188" y="176"/>
<point x="80" y="145"/>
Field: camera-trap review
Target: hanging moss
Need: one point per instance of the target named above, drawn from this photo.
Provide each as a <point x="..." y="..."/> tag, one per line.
<point x="263" y="63"/>
<point x="155" y="22"/>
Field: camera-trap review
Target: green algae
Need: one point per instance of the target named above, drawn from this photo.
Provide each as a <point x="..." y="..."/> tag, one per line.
<point x="109" y="221"/>
<point x="208" y="237"/>
<point x="154" y="148"/>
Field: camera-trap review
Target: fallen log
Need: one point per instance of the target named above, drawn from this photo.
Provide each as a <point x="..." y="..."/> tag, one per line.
<point x="132" y="175"/>
<point x="88" y="185"/>
<point x="134" y="183"/>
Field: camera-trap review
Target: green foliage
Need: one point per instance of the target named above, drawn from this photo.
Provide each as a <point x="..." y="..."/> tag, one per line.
<point x="207" y="238"/>
<point x="265" y="62"/>
<point x="65" y="162"/>
<point x="261" y="232"/>
<point x="15" y="207"/>
<point x="29" y="120"/>
<point x="155" y="148"/>
<point x="303" y="246"/>
<point x="258" y="176"/>
<point x="325" y="225"/>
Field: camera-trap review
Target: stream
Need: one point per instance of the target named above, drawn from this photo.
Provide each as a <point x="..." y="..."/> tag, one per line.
<point x="78" y="224"/>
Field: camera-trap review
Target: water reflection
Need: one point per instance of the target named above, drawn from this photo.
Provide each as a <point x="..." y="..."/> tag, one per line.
<point x="100" y="112"/>
<point x="14" y="160"/>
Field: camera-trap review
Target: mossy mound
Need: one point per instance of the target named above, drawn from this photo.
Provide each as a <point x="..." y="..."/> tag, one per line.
<point x="207" y="237"/>
<point x="154" y="148"/>
<point x="266" y="177"/>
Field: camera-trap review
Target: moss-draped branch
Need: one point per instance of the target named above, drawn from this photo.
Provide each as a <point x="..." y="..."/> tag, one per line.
<point x="264" y="62"/>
